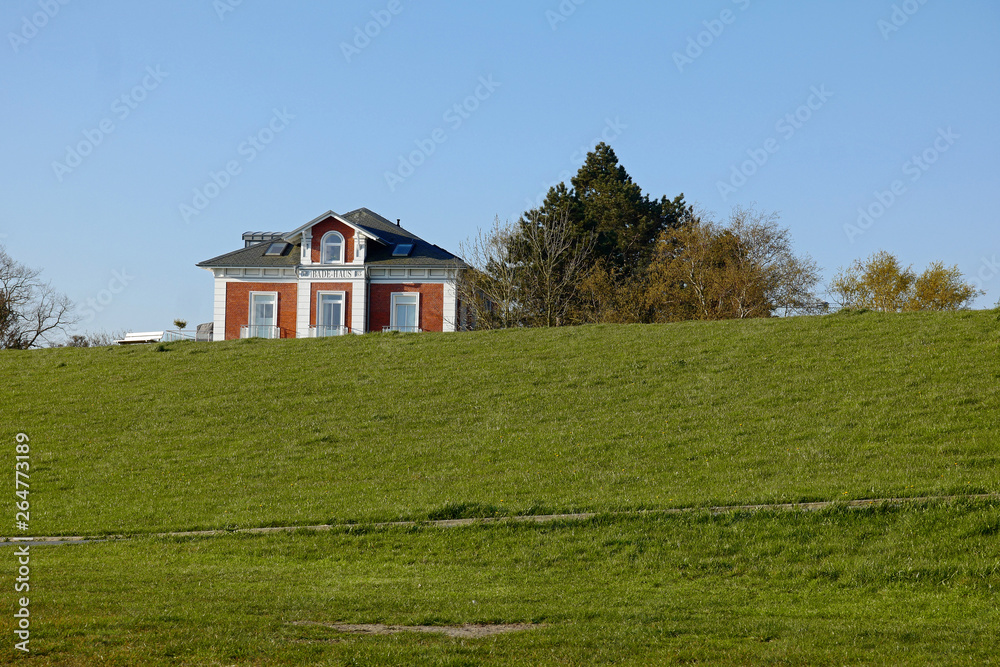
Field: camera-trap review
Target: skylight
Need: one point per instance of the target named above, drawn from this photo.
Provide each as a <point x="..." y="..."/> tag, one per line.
<point x="402" y="250"/>
<point x="277" y="249"/>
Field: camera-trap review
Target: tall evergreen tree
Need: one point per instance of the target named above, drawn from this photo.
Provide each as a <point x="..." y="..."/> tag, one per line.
<point x="605" y="203"/>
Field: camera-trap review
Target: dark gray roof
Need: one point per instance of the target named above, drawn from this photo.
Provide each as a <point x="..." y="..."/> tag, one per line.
<point x="423" y="254"/>
<point x="254" y="257"/>
<point x="390" y="235"/>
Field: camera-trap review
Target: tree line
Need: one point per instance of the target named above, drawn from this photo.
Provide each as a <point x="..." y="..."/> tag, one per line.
<point x="601" y="251"/>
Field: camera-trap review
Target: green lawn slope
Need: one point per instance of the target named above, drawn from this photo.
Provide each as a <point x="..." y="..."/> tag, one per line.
<point x="597" y="418"/>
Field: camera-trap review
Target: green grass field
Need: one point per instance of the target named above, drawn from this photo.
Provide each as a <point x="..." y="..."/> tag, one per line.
<point x="602" y="419"/>
<point x="887" y="586"/>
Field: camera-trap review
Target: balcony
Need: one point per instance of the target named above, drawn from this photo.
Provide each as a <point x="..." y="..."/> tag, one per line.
<point x="327" y="331"/>
<point x="259" y="331"/>
<point x="402" y="329"/>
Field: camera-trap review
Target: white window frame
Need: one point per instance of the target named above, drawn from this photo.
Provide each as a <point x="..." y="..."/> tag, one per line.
<point x="393" y="325"/>
<point x="322" y="249"/>
<point x="343" y="306"/>
<point x="251" y="311"/>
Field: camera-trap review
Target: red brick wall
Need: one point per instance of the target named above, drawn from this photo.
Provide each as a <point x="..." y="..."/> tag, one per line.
<point x="238" y="306"/>
<point x="332" y="225"/>
<point x="431" y="305"/>
<point x="332" y="287"/>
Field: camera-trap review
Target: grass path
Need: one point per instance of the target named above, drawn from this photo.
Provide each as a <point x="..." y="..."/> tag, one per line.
<point x="532" y="518"/>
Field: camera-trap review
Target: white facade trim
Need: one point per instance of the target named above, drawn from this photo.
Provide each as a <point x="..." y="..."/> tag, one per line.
<point x="359" y="310"/>
<point x="449" y="309"/>
<point x="290" y="236"/>
<point x="303" y="305"/>
<point x="219" y="313"/>
<point x="360" y="248"/>
<point x="332" y="273"/>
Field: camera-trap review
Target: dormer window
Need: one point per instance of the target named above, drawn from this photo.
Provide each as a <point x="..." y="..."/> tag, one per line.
<point x="277" y="250"/>
<point x="402" y="250"/>
<point x="333" y="248"/>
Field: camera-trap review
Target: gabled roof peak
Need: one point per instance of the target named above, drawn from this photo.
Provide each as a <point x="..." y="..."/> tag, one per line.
<point x="294" y="234"/>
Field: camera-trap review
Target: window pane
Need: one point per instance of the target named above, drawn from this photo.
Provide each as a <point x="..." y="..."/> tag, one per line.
<point x="262" y="313"/>
<point x="406" y="315"/>
<point x="404" y="311"/>
<point x="402" y="250"/>
<point x="332" y="246"/>
<point x="331" y="309"/>
<point x="277" y="249"/>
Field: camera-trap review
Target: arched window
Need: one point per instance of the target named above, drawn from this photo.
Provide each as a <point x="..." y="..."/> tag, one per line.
<point x="333" y="248"/>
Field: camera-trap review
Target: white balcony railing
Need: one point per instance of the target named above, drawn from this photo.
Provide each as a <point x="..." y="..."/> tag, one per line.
<point x="171" y="336"/>
<point x="259" y="331"/>
<point x="327" y="331"/>
<point x="402" y="329"/>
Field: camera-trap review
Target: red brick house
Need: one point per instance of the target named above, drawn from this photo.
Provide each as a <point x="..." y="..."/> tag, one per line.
<point x="336" y="274"/>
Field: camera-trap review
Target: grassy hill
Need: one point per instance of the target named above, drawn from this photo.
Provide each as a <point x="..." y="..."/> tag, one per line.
<point x="248" y="433"/>
<point x="360" y="429"/>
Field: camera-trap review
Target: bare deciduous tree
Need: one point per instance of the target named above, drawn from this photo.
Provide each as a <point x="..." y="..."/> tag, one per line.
<point x="487" y="288"/>
<point x="100" y="338"/>
<point x="766" y="262"/>
<point x="31" y="311"/>
<point x="554" y="261"/>
<point x="525" y="274"/>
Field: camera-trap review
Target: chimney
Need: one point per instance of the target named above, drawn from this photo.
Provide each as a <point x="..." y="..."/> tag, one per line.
<point x="397" y="222"/>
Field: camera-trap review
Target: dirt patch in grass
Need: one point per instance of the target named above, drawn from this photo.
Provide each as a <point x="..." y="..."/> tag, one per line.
<point x="460" y="631"/>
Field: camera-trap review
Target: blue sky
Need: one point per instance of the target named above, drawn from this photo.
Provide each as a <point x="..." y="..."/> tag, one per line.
<point x="124" y="117"/>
